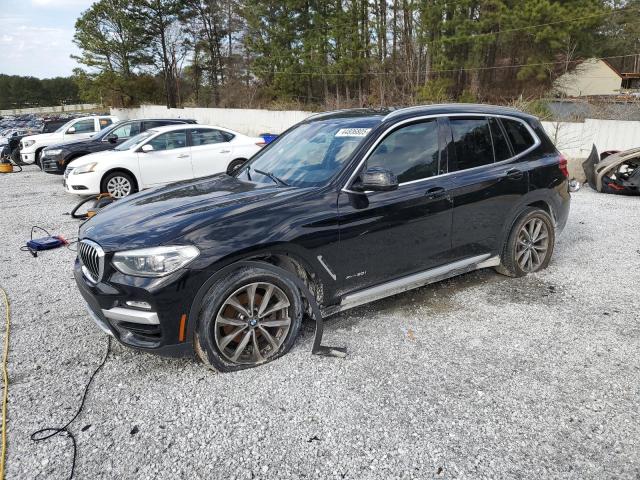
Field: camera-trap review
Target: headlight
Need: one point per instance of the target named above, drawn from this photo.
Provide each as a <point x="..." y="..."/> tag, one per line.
<point x="54" y="151"/>
<point x="28" y="143"/>
<point x="154" y="262"/>
<point x="89" y="167"/>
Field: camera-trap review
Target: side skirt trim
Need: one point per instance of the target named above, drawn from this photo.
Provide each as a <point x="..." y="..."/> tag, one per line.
<point x="416" y="280"/>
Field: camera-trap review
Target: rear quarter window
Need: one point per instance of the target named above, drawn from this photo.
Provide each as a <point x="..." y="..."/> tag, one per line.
<point x="518" y="134"/>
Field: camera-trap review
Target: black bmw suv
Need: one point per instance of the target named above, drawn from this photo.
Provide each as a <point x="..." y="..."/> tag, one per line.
<point x="55" y="158"/>
<point x="345" y="207"/>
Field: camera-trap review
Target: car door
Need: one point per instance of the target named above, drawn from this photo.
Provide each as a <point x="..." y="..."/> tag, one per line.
<point x="80" y="129"/>
<point x="169" y="161"/>
<point x="488" y="181"/>
<point x="211" y="151"/>
<point x="390" y="234"/>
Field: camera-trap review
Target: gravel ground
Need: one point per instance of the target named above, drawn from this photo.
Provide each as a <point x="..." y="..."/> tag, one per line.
<point x="480" y="376"/>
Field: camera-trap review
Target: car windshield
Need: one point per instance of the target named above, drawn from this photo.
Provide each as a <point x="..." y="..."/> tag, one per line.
<point x="133" y="142"/>
<point x="65" y="126"/>
<point x="310" y="154"/>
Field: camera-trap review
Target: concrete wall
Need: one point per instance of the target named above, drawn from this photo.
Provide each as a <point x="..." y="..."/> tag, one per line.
<point x="591" y="77"/>
<point x="249" y="122"/>
<point x="60" y="109"/>
<point x="574" y="140"/>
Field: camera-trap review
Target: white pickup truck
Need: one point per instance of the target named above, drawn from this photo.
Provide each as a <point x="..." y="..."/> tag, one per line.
<point x="31" y="146"/>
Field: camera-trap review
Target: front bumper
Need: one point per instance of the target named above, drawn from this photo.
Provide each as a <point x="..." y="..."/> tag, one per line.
<point x="156" y="330"/>
<point x="29" y="157"/>
<point x="83" y="184"/>
<point x="53" y="164"/>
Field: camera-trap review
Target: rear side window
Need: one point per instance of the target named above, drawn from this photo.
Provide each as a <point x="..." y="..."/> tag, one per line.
<point x="500" y="144"/>
<point x="206" y="136"/>
<point x="471" y="143"/>
<point x="518" y="134"/>
<point x="410" y="152"/>
<point x="105" y="122"/>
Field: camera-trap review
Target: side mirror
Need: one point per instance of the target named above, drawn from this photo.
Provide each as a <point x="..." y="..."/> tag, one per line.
<point x="376" y="179"/>
<point x="113" y="138"/>
<point x="71" y="130"/>
<point x="147" y="148"/>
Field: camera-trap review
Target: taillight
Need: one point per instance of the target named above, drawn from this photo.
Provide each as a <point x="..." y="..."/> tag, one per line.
<point x="564" y="166"/>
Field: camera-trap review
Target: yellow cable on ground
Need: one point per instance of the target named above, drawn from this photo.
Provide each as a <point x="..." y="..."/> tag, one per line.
<point x="5" y="376"/>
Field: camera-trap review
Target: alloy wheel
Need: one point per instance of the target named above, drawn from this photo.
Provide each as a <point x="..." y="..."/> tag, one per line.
<point x="119" y="187"/>
<point x="532" y="245"/>
<point x="252" y="323"/>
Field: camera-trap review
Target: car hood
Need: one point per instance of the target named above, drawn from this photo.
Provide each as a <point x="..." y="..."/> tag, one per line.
<point x="71" y="143"/>
<point x="166" y="214"/>
<point x="43" y="137"/>
<point x="93" y="157"/>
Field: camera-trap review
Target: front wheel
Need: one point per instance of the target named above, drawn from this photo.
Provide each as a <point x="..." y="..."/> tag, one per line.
<point x="530" y="244"/>
<point x="118" y="185"/>
<point x="248" y="318"/>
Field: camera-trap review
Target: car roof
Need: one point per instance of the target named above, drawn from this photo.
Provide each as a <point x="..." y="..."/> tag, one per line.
<point x="419" y="110"/>
<point x="182" y="121"/>
<point x="179" y="126"/>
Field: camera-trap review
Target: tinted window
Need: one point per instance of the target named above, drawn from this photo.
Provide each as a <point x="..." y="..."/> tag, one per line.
<point x="500" y="144"/>
<point x="105" y="122"/>
<point x="127" y="131"/>
<point x="471" y="142"/>
<point x="84" y="126"/>
<point x="410" y="152"/>
<point x="169" y="141"/>
<point x="206" y="136"/>
<point x="518" y="134"/>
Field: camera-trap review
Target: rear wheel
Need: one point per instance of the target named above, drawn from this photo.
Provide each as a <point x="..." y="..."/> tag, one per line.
<point x="118" y="184"/>
<point x="248" y="318"/>
<point x="530" y="244"/>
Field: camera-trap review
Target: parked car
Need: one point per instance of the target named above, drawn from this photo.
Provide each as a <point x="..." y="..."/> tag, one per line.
<point x="32" y="145"/>
<point x="55" y="158"/>
<point x="357" y="205"/>
<point x="159" y="156"/>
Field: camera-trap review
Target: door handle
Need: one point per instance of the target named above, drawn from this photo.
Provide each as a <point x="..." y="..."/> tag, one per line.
<point x="225" y="151"/>
<point x="436" y="192"/>
<point x="184" y="155"/>
<point x="514" y="174"/>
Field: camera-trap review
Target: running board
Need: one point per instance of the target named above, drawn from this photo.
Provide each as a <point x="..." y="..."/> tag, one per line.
<point x="417" y="280"/>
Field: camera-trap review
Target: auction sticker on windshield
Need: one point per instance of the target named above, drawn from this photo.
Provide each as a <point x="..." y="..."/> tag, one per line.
<point x="353" y="132"/>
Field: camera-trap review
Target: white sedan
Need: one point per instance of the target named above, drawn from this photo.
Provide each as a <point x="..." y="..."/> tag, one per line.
<point x="159" y="156"/>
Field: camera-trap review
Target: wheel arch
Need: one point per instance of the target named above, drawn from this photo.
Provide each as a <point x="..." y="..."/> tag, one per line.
<point x="535" y="199"/>
<point x="283" y="256"/>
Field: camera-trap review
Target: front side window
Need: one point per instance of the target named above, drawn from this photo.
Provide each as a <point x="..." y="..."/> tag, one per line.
<point x="105" y="122"/>
<point x="127" y="131"/>
<point x="206" y="136"/>
<point x="169" y="141"/>
<point x="135" y="142"/>
<point x="410" y="152"/>
<point x="518" y="134"/>
<point x="84" y="126"/>
<point x="471" y="143"/>
<point x="310" y="154"/>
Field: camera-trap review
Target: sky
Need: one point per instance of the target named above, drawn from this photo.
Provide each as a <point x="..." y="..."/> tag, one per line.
<point x="36" y="36"/>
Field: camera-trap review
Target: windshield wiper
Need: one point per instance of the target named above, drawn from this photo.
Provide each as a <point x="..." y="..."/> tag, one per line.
<point x="277" y="180"/>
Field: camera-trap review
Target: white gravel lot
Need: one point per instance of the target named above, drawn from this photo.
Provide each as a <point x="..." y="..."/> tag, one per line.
<point x="481" y="376"/>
